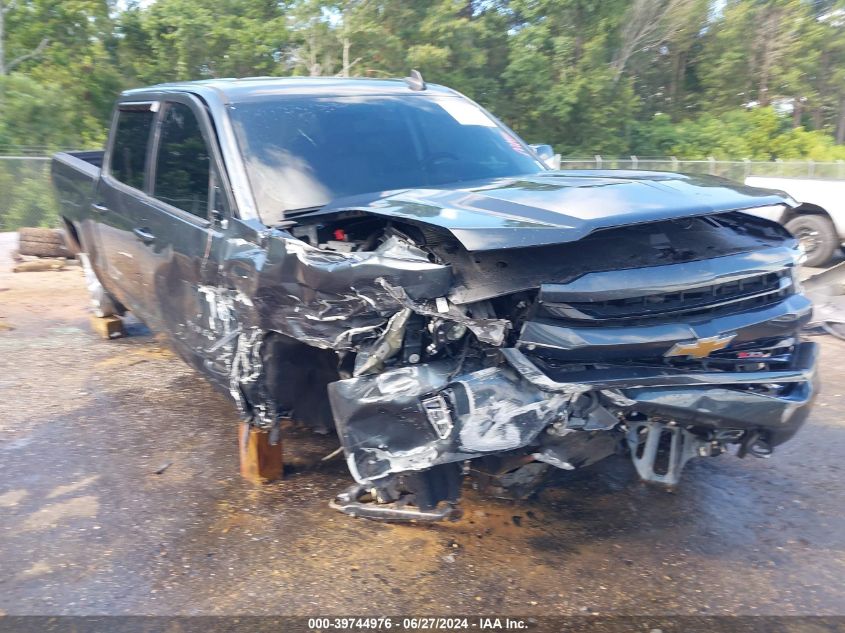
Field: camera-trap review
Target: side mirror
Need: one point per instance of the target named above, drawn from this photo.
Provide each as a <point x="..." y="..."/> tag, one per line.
<point x="546" y="154"/>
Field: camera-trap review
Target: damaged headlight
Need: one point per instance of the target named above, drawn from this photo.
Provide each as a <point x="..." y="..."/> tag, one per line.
<point x="438" y="414"/>
<point x="444" y="332"/>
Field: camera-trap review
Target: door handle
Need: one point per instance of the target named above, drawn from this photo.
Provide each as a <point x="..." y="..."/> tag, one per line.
<point x="99" y="208"/>
<point x="144" y="235"/>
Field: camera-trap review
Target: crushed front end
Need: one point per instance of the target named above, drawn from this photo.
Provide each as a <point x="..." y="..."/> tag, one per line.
<point x="665" y="341"/>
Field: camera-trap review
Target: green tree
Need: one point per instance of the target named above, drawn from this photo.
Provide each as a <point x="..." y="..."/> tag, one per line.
<point x="561" y="83"/>
<point x="57" y="48"/>
<point x="197" y="39"/>
<point x="749" y="53"/>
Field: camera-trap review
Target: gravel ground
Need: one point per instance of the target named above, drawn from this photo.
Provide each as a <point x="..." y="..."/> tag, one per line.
<point x="119" y="494"/>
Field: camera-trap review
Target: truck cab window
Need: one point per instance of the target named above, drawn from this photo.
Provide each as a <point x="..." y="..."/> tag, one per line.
<point x="182" y="170"/>
<point x="129" y="149"/>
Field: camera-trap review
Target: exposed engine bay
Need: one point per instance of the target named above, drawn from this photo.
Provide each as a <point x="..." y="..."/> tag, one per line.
<point x="666" y="341"/>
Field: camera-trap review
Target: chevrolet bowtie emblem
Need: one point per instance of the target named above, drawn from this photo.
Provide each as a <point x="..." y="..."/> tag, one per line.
<point x="702" y="347"/>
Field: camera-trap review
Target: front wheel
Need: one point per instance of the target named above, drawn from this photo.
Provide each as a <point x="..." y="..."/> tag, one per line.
<point x="817" y="237"/>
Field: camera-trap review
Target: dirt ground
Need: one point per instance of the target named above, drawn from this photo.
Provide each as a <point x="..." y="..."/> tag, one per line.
<point x="119" y="494"/>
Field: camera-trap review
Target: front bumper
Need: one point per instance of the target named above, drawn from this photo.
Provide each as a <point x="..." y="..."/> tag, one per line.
<point x="415" y="417"/>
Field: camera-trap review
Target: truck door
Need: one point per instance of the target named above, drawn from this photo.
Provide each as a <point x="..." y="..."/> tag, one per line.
<point x="118" y="205"/>
<point x="183" y="231"/>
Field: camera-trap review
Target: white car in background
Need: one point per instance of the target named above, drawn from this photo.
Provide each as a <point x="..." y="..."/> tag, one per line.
<point x="819" y="219"/>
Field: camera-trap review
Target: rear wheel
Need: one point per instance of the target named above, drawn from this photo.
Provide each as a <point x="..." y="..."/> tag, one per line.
<point x="817" y="237"/>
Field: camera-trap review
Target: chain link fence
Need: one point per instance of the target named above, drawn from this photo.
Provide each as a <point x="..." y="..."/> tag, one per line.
<point x="27" y="197"/>
<point x="737" y="170"/>
<point x="28" y="151"/>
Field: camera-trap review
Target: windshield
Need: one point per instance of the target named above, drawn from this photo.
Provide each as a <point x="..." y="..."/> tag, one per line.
<point x="302" y="152"/>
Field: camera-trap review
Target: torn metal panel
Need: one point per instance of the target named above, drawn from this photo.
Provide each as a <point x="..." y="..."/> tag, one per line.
<point x="329" y="299"/>
<point x="246" y="380"/>
<point x="485" y="411"/>
<point x="386" y="346"/>
<point x="362" y="406"/>
<point x="497" y="412"/>
<point x="228" y="349"/>
<point x="491" y="331"/>
<point x="298" y="291"/>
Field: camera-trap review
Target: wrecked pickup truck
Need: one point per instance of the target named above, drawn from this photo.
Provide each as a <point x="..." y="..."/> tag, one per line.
<point x="385" y="259"/>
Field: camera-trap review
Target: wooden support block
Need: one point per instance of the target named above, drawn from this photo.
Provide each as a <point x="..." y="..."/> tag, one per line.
<point x="108" y="327"/>
<point x="261" y="462"/>
<point x="39" y="265"/>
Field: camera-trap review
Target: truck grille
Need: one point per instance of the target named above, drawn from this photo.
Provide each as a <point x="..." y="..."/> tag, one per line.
<point x="722" y="298"/>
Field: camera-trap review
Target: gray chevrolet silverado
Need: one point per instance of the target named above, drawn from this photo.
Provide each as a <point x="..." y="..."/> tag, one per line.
<point x="386" y="259"/>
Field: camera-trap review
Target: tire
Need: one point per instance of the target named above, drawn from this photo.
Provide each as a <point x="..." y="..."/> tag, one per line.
<point x="47" y="236"/>
<point x="43" y="249"/>
<point x="817" y="235"/>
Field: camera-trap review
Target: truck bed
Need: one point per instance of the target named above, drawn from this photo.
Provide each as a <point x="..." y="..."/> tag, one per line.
<point x="74" y="175"/>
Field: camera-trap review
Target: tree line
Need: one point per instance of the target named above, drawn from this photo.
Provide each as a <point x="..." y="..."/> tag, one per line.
<point x="758" y="79"/>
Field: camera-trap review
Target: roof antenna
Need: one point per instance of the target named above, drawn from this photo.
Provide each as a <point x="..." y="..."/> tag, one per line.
<point x="415" y="81"/>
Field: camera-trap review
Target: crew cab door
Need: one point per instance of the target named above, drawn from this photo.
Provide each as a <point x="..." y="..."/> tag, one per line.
<point x="183" y="230"/>
<point x="119" y="206"/>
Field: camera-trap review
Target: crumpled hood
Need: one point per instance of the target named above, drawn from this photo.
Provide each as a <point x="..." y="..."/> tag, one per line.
<point x="558" y="206"/>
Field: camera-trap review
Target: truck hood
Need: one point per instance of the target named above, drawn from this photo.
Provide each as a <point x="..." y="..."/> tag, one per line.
<point x="557" y="206"/>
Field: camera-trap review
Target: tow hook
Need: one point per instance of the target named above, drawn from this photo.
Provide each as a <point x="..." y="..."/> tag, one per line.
<point x="350" y="502"/>
<point x="651" y="453"/>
